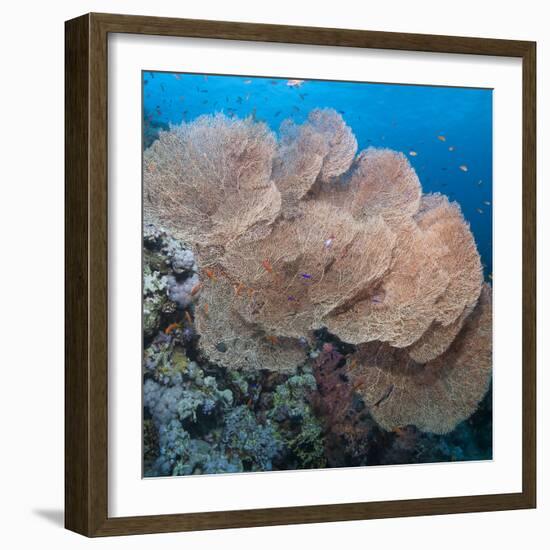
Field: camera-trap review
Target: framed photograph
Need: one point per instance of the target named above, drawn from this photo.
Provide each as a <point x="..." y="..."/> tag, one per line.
<point x="300" y="275"/>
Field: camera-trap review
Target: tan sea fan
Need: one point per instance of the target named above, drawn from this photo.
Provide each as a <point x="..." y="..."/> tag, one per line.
<point x="384" y="183"/>
<point x="435" y="396"/>
<point x="317" y="151"/>
<point x="320" y="260"/>
<point x="297" y="235"/>
<point x="458" y="256"/>
<point x="339" y="137"/>
<point x="209" y="181"/>
<point x="228" y="340"/>
<point x="298" y="161"/>
<point x="380" y="182"/>
<point x="437" y="339"/>
<point x="405" y="302"/>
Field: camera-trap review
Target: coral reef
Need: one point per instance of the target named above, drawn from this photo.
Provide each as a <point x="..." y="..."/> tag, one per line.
<point x="267" y="239"/>
<point x="200" y="418"/>
<point x="169" y="276"/>
<point x="199" y="423"/>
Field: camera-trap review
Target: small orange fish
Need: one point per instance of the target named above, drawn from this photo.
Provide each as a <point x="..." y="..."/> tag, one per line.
<point x="188" y="317"/>
<point x="345" y="251"/>
<point x="170" y="328"/>
<point x="206" y="308"/>
<point x="267" y="266"/>
<point x="353" y="365"/>
<point x="441" y="138"/>
<point x="238" y="289"/>
<point x="196" y="289"/>
<point x="210" y="274"/>
<point x="294" y="83"/>
<point x="272" y="339"/>
<point x="463" y="167"/>
<point x="413" y="153"/>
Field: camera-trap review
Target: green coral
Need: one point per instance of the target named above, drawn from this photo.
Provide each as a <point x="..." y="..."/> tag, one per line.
<point x="166" y="362"/>
<point x="204" y="425"/>
<point x="256" y="444"/>
<point x="153" y="281"/>
<point x="201" y="395"/>
<point x="300" y="430"/>
<point x="172" y="367"/>
<point x="154" y="300"/>
<point x="202" y="458"/>
<point x="152" y="309"/>
<point x="290" y="398"/>
<point x="238" y="381"/>
<point x="307" y="445"/>
<point x="154" y="261"/>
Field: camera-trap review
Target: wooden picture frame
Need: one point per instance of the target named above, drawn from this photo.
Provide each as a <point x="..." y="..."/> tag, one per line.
<point x="86" y="283"/>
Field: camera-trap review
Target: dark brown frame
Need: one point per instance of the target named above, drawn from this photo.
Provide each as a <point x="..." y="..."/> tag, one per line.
<point x="86" y="274"/>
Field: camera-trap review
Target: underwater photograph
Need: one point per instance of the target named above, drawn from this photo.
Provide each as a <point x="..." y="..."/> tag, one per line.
<point x="317" y="274"/>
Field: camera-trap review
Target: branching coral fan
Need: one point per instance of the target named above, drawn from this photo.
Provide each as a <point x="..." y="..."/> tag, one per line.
<point x="299" y="233"/>
<point x="434" y="396"/>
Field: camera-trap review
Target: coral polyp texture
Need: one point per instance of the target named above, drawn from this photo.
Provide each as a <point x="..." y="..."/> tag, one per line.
<point x="295" y="233"/>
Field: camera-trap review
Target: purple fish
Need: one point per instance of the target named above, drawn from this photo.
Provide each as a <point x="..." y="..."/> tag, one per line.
<point x="306" y="276"/>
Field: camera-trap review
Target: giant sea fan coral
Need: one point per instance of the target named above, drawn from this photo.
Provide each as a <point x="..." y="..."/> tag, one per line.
<point x="297" y="279"/>
<point x="230" y="340"/>
<point x="384" y="183"/>
<point x="434" y="396"/>
<point x="297" y="234"/>
<point x="210" y="181"/>
<point x="341" y="143"/>
<point x="317" y="151"/>
<point x="406" y="300"/>
<point x="458" y="256"/>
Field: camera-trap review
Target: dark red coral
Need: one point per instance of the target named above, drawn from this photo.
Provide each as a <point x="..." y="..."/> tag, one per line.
<point x="343" y="414"/>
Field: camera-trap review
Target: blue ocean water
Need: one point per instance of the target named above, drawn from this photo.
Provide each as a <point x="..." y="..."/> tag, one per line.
<point x="445" y="132"/>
